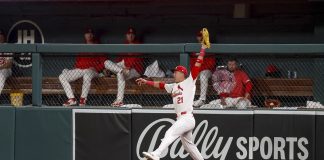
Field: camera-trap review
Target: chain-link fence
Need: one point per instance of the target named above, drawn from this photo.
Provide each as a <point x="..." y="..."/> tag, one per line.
<point x="104" y="80"/>
<point x="94" y="79"/>
<point x="287" y="80"/>
<point x="15" y="79"/>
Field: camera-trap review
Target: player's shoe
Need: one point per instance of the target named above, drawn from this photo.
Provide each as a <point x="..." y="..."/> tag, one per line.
<point x="70" y="102"/>
<point x="199" y="103"/>
<point x="117" y="103"/>
<point x="150" y="156"/>
<point x="83" y="101"/>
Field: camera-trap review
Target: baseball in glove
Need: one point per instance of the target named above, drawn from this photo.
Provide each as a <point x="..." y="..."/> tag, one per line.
<point x="205" y="35"/>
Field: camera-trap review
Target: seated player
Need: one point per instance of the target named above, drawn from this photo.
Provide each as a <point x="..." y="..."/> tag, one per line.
<point x="240" y="94"/>
<point x="5" y="63"/>
<point x="128" y="66"/>
<point x="205" y="74"/>
<point x="87" y="66"/>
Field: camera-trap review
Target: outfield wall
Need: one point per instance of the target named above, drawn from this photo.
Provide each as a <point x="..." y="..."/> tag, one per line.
<point x="83" y="134"/>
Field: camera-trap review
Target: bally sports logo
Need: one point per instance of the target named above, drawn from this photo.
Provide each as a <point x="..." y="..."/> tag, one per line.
<point x="214" y="146"/>
<point x="25" y="32"/>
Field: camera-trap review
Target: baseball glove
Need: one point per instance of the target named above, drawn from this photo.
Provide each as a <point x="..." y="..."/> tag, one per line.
<point x="205" y="35"/>
<point x="270" y="103"/>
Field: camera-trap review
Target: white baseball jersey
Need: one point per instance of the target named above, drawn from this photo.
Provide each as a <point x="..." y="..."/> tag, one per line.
<point x="183" y="94"/>
<point x="4" y="57"/>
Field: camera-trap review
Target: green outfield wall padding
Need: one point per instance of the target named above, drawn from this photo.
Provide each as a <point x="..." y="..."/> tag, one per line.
<point x="7" y="133"/>
<point x="43" y="134"/>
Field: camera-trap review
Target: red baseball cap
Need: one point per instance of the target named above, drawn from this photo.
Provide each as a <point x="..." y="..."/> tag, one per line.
<point x="181" y="69"/>
<point x="271" y="68"/>
<point x="88" y="30"/>
<point x="199" y="34"/>
<point x="130" y="30"/>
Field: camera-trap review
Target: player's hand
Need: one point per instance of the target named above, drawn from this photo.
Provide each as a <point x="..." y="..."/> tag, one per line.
<point x="141" y="81"/>
<point x="125" y="71"/>
<point x="203" y="46"/>
<point x="223" y="102"/>
<point x="247" y="95"/>
<point x="106" y="72"/>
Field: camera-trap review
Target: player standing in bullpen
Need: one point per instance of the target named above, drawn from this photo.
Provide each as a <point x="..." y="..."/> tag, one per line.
<point x="182" y="92"/>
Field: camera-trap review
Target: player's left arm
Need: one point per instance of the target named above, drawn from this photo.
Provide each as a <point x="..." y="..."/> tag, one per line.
<point x="248" y="86"/>
<point x="156" y="84"/>
<point x="196" y="68"/>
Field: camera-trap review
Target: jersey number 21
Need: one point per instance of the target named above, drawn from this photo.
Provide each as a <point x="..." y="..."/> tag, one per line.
<point x="180" y="100"/>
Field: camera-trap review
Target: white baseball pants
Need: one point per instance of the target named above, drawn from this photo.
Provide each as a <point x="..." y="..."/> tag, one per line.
<point x="181" y="128"/>
<point x="230" y="102"/>
<point x="204" y="78"/>
<point x="68" y="76"/>
<point x="4" y="74"/>
<point x="121" y="78"/>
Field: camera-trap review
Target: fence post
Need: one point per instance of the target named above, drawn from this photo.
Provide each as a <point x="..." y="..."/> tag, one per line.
<point x="36" y="79"/>
<point x="184" y="60"/>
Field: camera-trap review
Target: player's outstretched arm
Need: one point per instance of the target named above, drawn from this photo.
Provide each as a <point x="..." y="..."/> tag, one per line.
<point x="142" y="81"/>
<point x="196" y="68"/>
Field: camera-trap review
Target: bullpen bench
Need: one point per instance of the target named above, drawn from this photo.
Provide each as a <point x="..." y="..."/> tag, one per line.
<point x="291" y="92"/>
<point x="272" y="87"/>
<point x="262" y="87"/>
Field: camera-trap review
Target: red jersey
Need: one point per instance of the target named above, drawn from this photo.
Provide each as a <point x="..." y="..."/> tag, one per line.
<point x="208" y="64"/>
<point x="90" y="60"/>
<point x="132" y="60"/>
<point x="242" y="84"/>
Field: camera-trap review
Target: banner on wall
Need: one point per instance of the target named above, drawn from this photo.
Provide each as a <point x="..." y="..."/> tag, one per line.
<point x="219" y="134"/>
<point x="25" y="32"/>
<point x="233" y="134"/>
<point x="101" y="134"/>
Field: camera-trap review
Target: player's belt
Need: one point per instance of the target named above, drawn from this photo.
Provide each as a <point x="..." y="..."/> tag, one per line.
<point x="183" y="113"/>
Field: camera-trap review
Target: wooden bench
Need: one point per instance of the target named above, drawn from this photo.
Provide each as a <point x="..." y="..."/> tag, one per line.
<point x="103" y="85"/>
<point x="273" y="87"/>
<point x="261" y="86"/>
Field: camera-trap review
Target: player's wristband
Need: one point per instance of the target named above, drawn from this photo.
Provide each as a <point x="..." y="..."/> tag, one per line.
<point x="161" y="85"/>
<point x="199" y="61"/>
<point x="150" y="83"/>
<point x="202" y="52"/>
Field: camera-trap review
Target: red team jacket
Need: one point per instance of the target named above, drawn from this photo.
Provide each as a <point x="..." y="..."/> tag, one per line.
<point x="132" y="60"/>
<point x="89" y="61"/>
<point x="243" y="85"/>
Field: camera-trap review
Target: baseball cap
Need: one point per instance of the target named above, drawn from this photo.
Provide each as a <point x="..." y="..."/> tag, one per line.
<point x="271" y="68"/>
<point x="181" y="69"/>
<point x="130" y="30"/>
<point x="199" y="34"/>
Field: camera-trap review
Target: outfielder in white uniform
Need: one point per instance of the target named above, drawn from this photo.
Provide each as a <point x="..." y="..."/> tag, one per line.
<point x="5" y="63"/>
<point x="182" y="92"/>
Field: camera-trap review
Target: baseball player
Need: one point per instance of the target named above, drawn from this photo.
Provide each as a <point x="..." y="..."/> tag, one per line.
<point x="5" y="63"/>
<point x="205" y="74"/>
<point x="240" y="91"/>
<point x="182" y="92"/>
<point x="86" y="67"/>
<point x="128" y="67"/>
